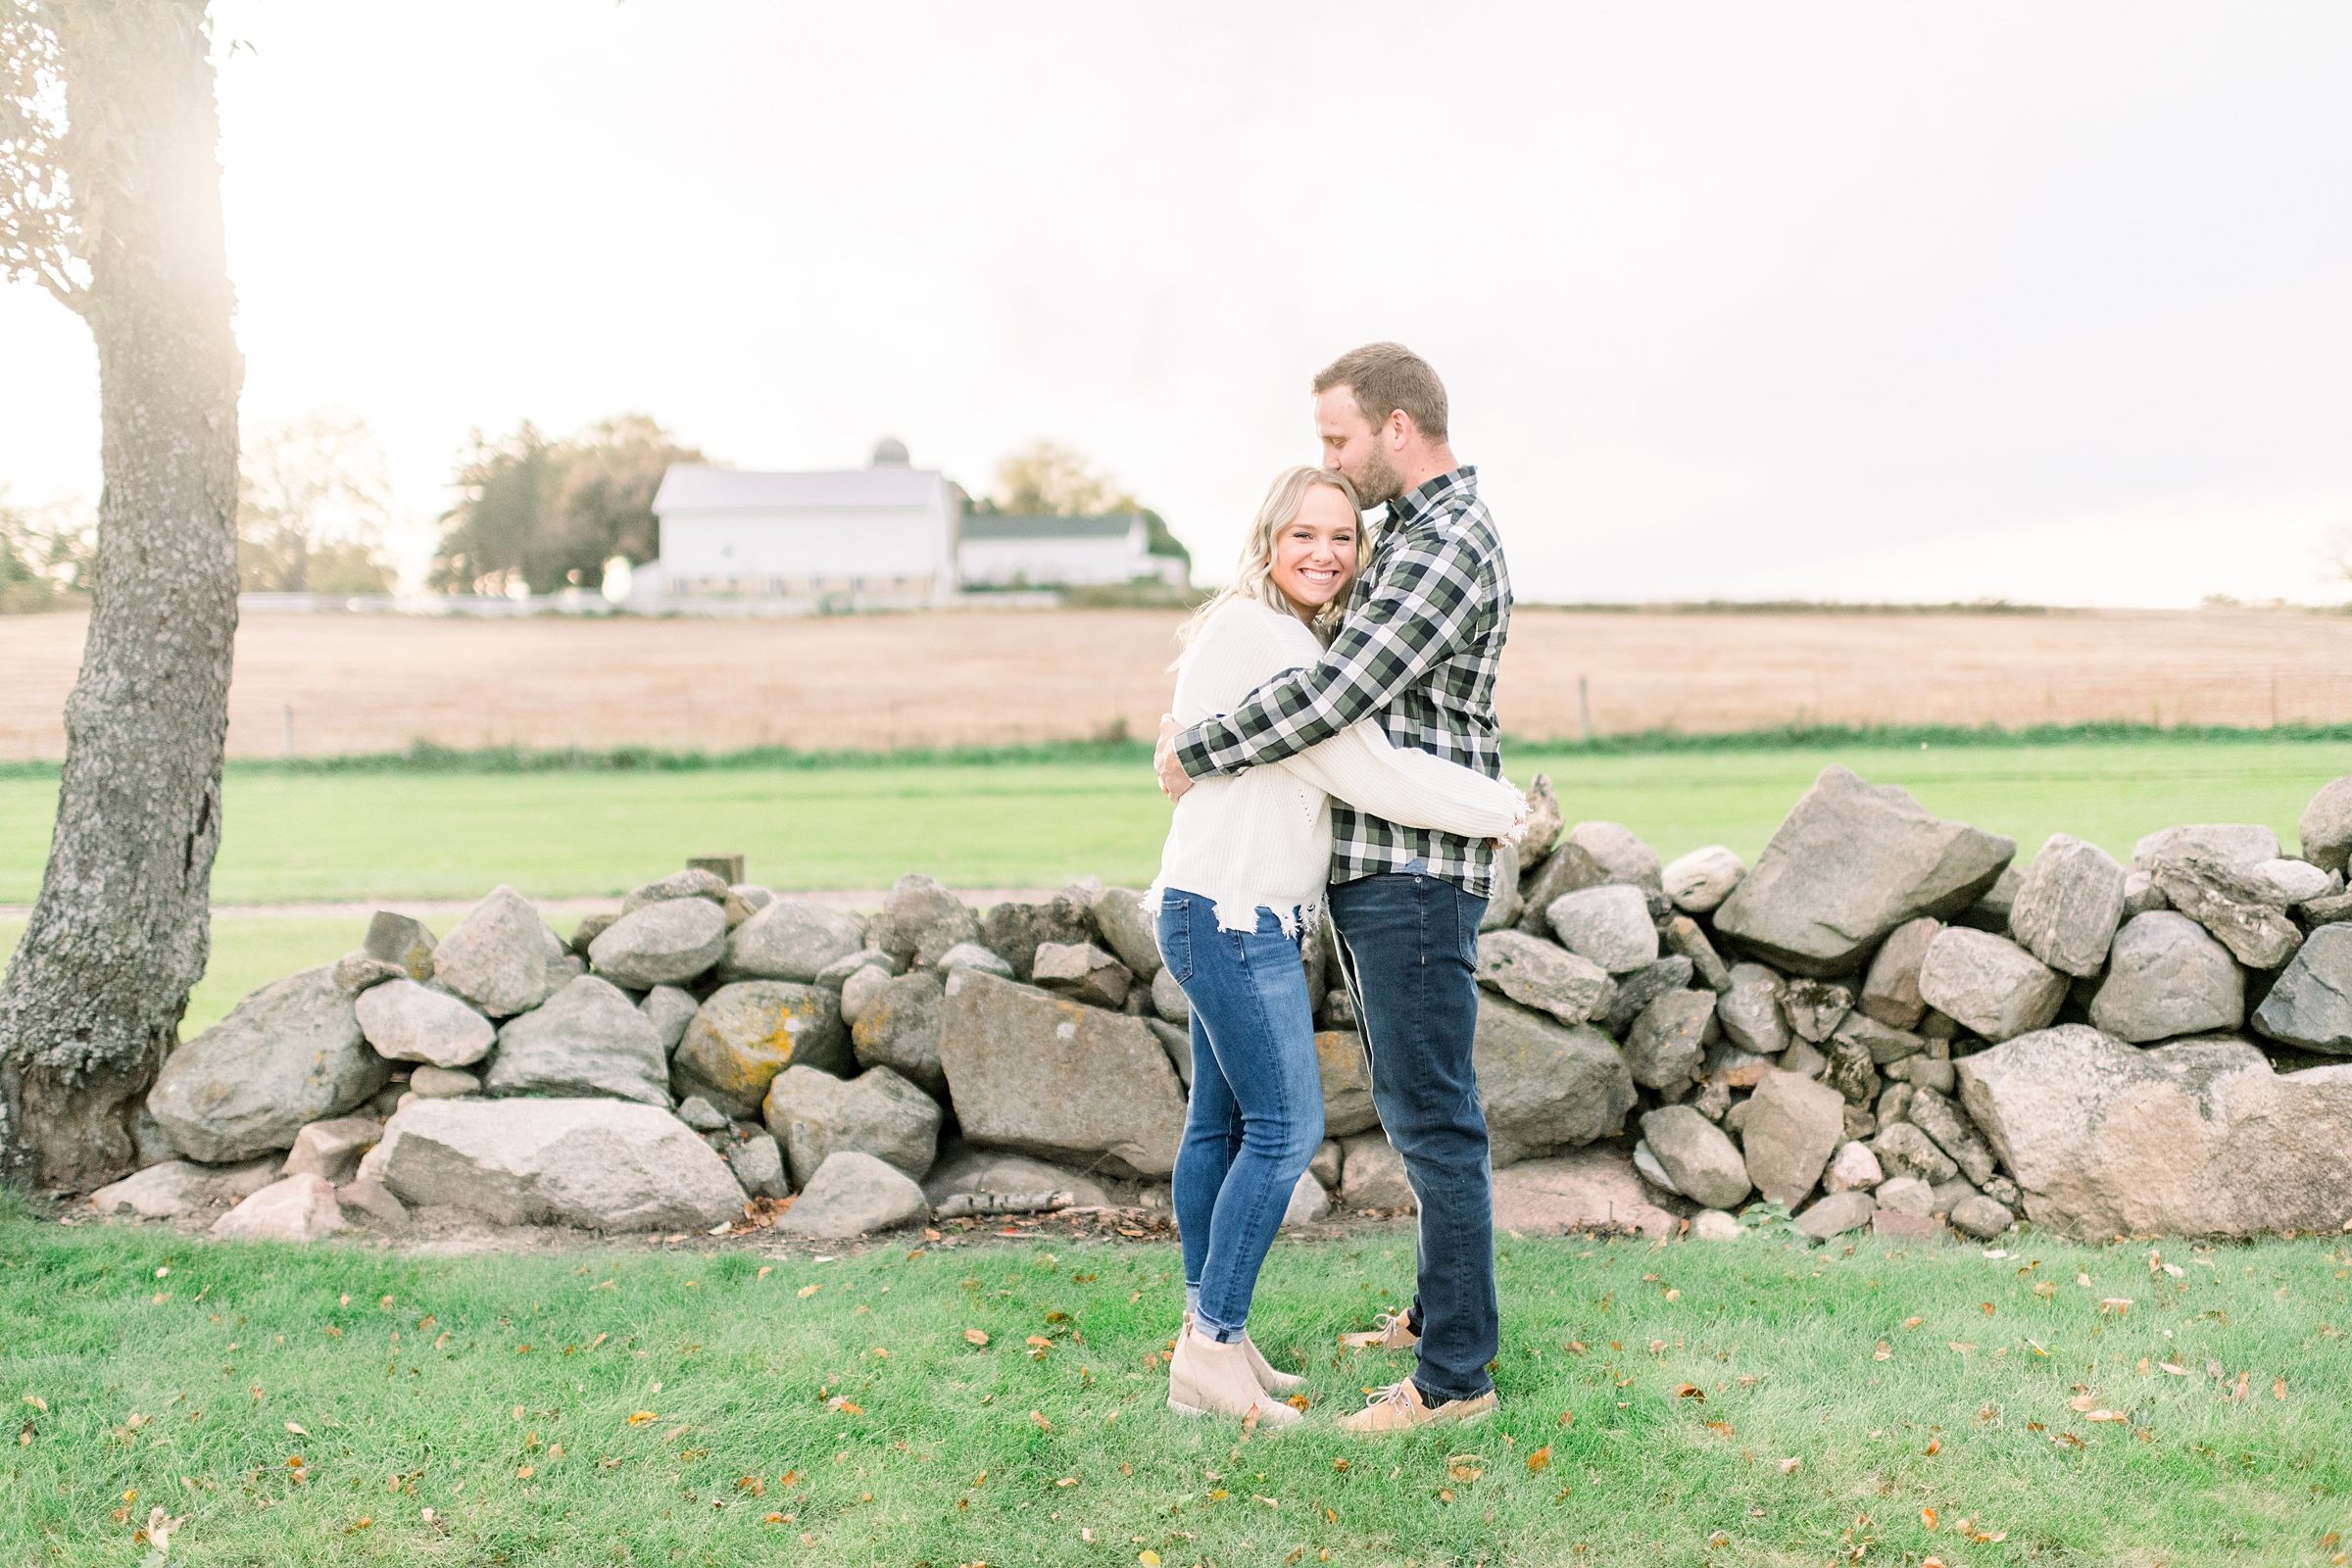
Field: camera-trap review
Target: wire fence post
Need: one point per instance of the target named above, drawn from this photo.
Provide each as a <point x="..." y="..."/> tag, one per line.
<point x="1584" y="711"/>
<point x="289" y="729"/>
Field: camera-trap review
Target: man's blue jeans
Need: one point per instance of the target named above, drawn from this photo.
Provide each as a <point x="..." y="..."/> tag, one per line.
<point x="1256" y="1111"/>
<point x="1408" y="945"/>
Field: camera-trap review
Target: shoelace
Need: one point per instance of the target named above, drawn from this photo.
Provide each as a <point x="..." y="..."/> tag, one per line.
<point x="1387" y="1320"/>
<point x="1396" y="1394"/>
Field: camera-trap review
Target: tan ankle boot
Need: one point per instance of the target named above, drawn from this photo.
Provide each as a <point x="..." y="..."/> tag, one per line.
<point x="1207" y="1378"/>
<point x="1268" y="1379"/>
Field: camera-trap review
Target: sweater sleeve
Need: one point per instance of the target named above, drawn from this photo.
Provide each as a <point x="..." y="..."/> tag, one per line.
<point x="1409" y="788"/>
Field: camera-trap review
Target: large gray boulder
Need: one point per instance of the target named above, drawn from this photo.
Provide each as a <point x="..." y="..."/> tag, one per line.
<point x="2196" y="1138"/>
<point x="1668" y="1043"/>
<point x="602" y="1163"/>
<point x="410" y="1022"/>
<point x="498" y="956"/>
<point x="2167" y="977"/>
<point x="1852" y="861"/>
<point x="1609" y="924"/>
<point x="1540" y="974"/>
<point x="1053" y="1078"/>
<point x="1619" y="853"/>
<point x="1890" y="989"/>
<point x="692" y="883"/>
<point x="177" y="1186"/>
<point x="1699" y="882"/>
<point x="877" y="1112"/>
<point x="2243" y="909"/>
<point x="854" y="1194"/>
<point x="1084" y="971"/>
<point x="2326" y="831"/>
<point x="1837" y="1214"/>
<point x="920" y="921"/>
<point x="2070" y="906"/>
<point x="288" y="1054"/>
<point x="664" y="943"/>
<point x="1542" y="1084"/>
<point x="1989" y="984"/>
<point x="1131" y="930"/>
<point x="792" y="939"/>
<point x="749" y="1032"/>
<point x="1904" y="1150"/>
<point x="587" y="1040"/>
<point x="1373" y="1174"/>
<point x="1638" y="988"/>
<point x="298" y="1208"/>
<point x="1346" y="1074"/>
<point x="1750" y="1011"/>
<point x="2234" y="844"/>
<point x="1794" y="1126"/>
<point x="1702" y="1162"/>
<point x="899" y="1030"/>
<point x="2298" y="881"/>
<point x="1013" y="931"/>
<point x="2311" y="1005"/>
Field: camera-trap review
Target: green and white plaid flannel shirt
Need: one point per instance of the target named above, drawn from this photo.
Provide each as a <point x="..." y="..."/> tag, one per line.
<point x="1420" y="648"/>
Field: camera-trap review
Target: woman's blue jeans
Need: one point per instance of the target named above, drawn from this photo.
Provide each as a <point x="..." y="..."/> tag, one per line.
<point x="1257" y="1111"/>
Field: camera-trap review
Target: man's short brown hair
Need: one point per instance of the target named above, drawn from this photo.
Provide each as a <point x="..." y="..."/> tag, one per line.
<point x="1386" y="377"/>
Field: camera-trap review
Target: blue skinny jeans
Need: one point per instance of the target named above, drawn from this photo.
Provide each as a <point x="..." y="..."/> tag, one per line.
<point x="1256" y="1113"/>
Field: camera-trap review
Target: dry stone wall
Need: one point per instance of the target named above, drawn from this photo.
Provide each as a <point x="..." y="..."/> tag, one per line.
<point x="1884" y="1022"/>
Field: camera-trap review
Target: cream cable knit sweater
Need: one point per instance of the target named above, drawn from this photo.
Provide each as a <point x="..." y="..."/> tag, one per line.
<point x="1262" y="837"/>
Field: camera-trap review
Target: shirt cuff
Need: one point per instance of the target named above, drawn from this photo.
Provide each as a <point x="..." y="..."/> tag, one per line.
<point x="1192" y="753"/>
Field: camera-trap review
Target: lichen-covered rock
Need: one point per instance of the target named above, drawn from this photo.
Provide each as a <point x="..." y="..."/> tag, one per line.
<point x="2167" y="977"/>
<point x="2242" y="910"/>
<point x="813" y="1114"/>
<point x="2196" y="1138"/>
<point x="1084" y="971"/>
<point x="398" y="939"/>
<point x="1543" y="1086"/>
<point x="1013" y="931"/>
<point x="749" y="1032"/>
<point x="497" y="956"/>
<point x="604" y="1163"/>
<point x="1989" y="984"/>
<point x="1637" y="989"/>
<point x="691" y="883"/>
<point x="1903" y="1149"/>
<point x="964" y="1167"/>
<point x="664" y="943"/>
<point x="1932" y="1113"/>
<point x="289" y="1055"/>
<point x="1051" y="1077"/>
<point x="588" y="1038"/>
<point x="1540" y="974"/>
<point x="1851" y="862"/>
<point x="793" y="939"/>
<point x="1668" y="1043"/>
<point x="900" y="1028"/>
<point x="1851" y="1072"/>
<point x="1815" y="1010"/>
<point x="1346" y="1083"/>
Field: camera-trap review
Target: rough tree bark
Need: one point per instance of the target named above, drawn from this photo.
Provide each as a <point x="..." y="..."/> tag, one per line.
<point x="93" y="997"/>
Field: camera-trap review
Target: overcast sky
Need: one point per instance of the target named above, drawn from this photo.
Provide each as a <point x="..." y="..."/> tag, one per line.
<point x="1919" y="302"/>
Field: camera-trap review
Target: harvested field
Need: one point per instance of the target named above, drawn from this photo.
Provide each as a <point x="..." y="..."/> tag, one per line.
<point x="375" y="683"/>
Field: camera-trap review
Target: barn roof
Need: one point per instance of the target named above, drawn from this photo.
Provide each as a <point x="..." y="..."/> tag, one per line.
<point x="1014" y="525"/>
<point x="698" y="487"/>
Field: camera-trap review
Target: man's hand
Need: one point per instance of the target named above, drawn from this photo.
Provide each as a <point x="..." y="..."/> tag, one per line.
<point x="1173" y="779"/>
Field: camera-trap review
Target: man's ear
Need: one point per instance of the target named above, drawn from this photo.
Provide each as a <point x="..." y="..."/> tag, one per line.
<point x="1399" y="431"/>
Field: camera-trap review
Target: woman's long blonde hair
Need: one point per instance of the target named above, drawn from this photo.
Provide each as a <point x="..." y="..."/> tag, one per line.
<point x="1254" y="573"/>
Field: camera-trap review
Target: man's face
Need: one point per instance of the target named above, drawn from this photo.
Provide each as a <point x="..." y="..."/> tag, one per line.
<point x="1354" y="448"/>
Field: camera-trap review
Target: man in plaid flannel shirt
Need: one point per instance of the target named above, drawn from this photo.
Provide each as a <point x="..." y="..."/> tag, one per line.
<point x="1419" y="647"/>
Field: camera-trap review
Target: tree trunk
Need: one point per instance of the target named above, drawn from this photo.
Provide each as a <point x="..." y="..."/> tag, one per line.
<point x="94" y="994"/>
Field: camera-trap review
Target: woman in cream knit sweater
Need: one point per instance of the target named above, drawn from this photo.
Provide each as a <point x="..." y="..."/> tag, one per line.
<point x="1240" y="877"/>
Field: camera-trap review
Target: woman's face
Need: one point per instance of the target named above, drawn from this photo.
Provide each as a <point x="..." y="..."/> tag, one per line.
<point x="1315" y="553"/>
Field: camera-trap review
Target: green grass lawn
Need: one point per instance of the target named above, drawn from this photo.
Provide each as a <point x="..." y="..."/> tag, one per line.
<point x="296" y="836"/>
<point x="309" y="1407"/>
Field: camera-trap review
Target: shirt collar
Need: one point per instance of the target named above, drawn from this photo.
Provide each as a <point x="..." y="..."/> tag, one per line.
<point x="1426" y="497"/>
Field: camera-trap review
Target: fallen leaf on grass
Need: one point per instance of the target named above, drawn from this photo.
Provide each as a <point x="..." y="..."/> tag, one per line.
<point x="974" y="1337"/>
<point x="2119" y="1306"/>
<point x="1541" y="1459"/>
<point x="1722" y="1429"/>
<point x="2279" y="1387"/>
<point x="1250" y="1422"/>
<point x="1927" y="1516"/>
<point x="1913" y="1322"/>
<point x="1690" y="1390"/>
<point x="1789" y="1467"/>
<point x="2105" y="1415"/>
<point x="297" y="1430"/>
<point x="1044" y="1425"/>
<point x="643" y="1418"/>
<point x="2171" y="1367"/>
<point x="807" y="1291"/>
<point x="1883" y="1352"/>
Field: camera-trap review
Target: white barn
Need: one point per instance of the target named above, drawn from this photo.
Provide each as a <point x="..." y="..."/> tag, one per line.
<point x="883" y="536"/>
<point x="888" y="536"/>
<point x="1008" y="550"/>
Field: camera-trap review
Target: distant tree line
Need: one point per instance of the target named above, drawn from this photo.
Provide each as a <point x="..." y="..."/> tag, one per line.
<point x="1049" y="481"/>
<point x="550" y="513"/>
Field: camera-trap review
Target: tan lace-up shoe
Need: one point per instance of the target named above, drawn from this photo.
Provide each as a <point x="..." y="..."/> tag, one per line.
<point x="1268" y="1378"/>
<point x="1399" y="1407"/>
<point x="1394" y="1334"/>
